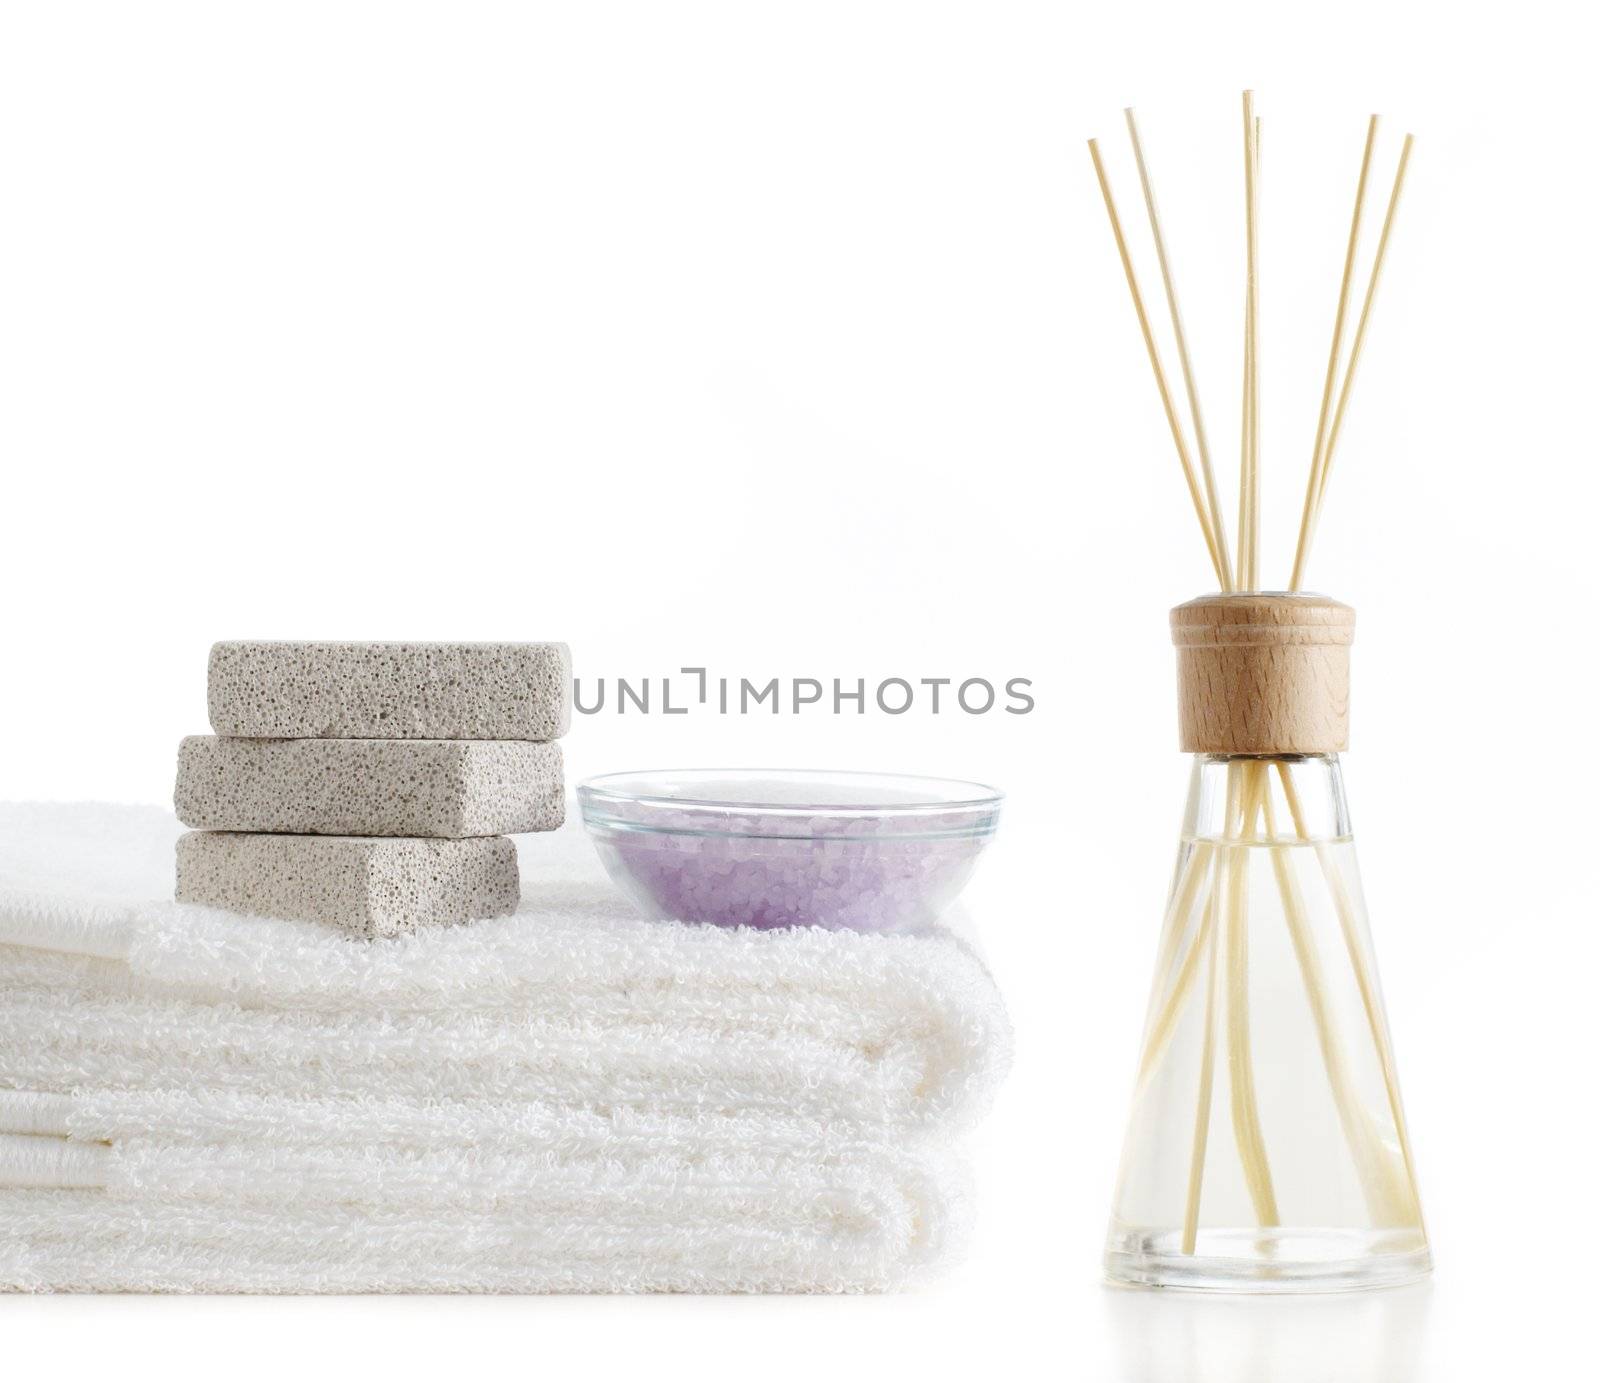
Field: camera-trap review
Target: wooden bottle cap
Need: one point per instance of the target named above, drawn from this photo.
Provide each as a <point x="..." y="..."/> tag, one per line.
<point x="1263" y="674"/>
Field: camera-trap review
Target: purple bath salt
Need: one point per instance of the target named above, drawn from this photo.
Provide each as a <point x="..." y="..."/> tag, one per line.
<point x="863" y="852"/>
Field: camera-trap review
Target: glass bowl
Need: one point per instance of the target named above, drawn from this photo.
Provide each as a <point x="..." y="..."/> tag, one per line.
<point x="789" y="847"/>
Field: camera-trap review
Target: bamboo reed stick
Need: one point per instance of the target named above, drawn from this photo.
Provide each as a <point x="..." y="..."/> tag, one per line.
<point x="1160" y="373"/>
<point x="1226" y="867"/>
<point x="1161" y="1018"/>
<point x="1377" y="1024"/>
<point x="1389" y="1199"/>
<point x="1190" y="876"/>
<point x="1366" y="985"/>
<point x="1241" y="1069"/>
<point x="1314" y="479"/>
<point x="1241" y="577"/>
<point x="1247" y="577"/>
<point x="1309" y="532"/>
<point x="1202" y="1112"/>
<point x="1256" y="365"/>
<point x="1207" y="474"/>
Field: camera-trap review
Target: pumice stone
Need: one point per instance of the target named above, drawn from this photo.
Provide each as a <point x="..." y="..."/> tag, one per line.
<point x="368" y="787"/>
<point x="443" y="691"/>
<point x="367" y="886"/>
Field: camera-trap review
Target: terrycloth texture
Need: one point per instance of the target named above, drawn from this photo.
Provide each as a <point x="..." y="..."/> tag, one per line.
<point x="567" y="1099"/>
<point x="672" y="1214"/>
<point x="69" y="1240"/>
<point x="573" y="997"/>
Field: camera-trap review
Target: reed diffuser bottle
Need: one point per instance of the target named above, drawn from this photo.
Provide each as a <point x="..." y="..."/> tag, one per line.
<point x="1267" y="1146"/>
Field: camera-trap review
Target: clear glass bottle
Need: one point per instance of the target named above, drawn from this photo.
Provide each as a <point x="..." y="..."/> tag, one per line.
<point x="1267" y="1147"/>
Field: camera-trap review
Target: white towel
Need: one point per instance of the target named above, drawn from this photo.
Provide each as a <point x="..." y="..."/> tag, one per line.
<point x="572" y="995"/>
<point x="852" y="1241"/>
<point x="593" y="1101"/>
<point x="231" y="1218"/>
<point x="258" y="1194"/>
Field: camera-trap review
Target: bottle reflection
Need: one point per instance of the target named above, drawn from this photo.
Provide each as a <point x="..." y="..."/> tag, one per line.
<point x="1183" y="1337"/>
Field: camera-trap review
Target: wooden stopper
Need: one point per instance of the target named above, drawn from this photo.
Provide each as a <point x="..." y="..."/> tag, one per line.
<point x="1263" y="674"/>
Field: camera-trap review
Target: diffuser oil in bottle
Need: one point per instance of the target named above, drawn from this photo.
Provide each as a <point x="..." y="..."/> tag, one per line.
<point x="1267" y="1147"/>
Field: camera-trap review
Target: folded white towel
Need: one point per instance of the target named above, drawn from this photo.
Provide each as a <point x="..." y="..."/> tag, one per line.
<point x="52" y="1162"/>
<point x="864" y="1233"/>
<point x="375" y="1193"/>
<point x="568" y="1099"/>
<point x="222" y="1117"/>
<point x="675" y="1182"/>
<point x="573" y="996"/>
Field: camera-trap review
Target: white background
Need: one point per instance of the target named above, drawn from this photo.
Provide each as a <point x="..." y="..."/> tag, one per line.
<point x="789" y="340"/>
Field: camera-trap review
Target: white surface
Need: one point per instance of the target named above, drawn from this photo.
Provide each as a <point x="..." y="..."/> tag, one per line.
<point x="790" y="340"/>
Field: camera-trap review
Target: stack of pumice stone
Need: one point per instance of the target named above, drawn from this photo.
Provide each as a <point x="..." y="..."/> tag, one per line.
<point x="371" y="786"/>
